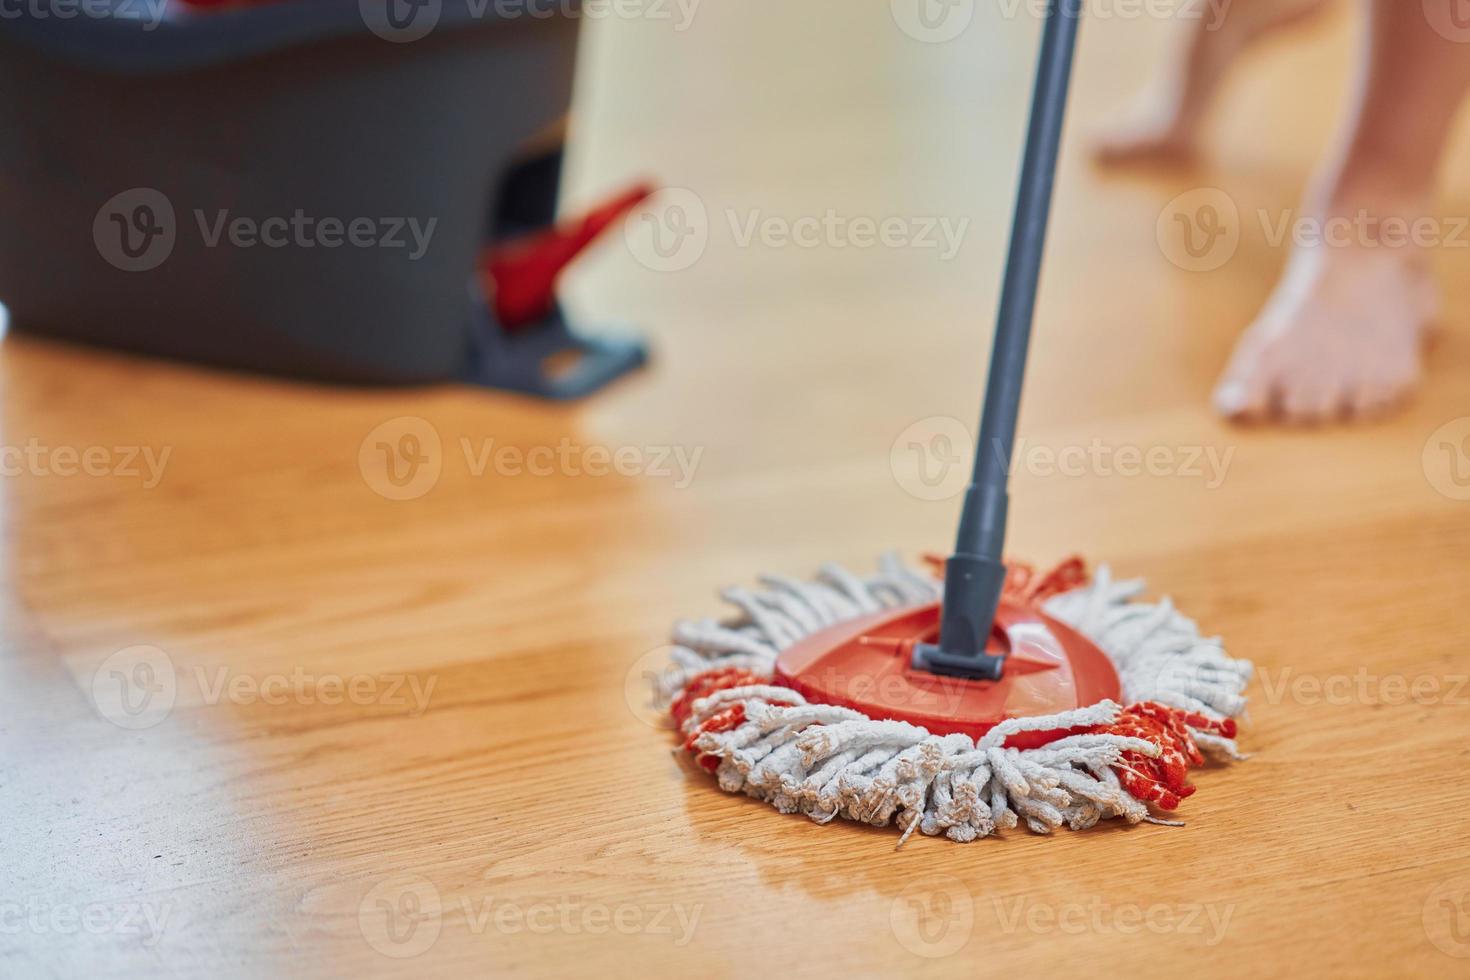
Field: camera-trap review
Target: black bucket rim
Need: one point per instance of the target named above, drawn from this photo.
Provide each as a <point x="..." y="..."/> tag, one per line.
<point x="123" y="37"/>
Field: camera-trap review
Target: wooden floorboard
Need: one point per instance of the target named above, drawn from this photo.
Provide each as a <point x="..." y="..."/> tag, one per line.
<point x="496" y="763"/>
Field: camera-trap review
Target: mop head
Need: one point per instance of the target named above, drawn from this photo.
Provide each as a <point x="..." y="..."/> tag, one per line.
<point x="767" y="741"/>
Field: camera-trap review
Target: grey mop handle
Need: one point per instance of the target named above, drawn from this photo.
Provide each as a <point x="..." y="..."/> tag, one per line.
<point x="974" y="576"/>
<point x="1022" y="274"/>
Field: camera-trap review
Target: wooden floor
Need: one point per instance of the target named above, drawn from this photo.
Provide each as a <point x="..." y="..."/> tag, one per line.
<point x="408" y="737"/>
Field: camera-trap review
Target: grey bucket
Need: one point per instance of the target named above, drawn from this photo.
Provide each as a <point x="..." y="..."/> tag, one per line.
<point x="129" y="149"/>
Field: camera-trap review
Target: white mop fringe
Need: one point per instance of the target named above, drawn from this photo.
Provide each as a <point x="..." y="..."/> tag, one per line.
<point x="826" y="761"/>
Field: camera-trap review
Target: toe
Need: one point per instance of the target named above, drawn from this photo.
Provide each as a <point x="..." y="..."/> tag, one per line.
<point x="1381" y="393"/>
<point x="1369" y="400"/>
<point x="1242" y="399"/>
<point x="1310" y="402"/>
<point x="1114" y="148"/>
<point x="1139" y="142"/>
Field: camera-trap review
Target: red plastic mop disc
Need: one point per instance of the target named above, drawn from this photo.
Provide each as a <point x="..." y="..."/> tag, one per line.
<point x="865" y="664"/>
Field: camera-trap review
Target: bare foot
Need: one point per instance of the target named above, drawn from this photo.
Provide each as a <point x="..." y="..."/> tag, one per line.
<point x="1158" y="130"/>
<point x="1341" y="337"/>
<point x="1164" y="125"/>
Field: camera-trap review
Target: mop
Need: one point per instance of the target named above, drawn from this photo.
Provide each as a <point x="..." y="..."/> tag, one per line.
<point x="990" y="696"/>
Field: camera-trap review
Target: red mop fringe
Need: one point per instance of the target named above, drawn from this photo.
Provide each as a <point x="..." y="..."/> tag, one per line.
<point x="1162" y="781"/>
